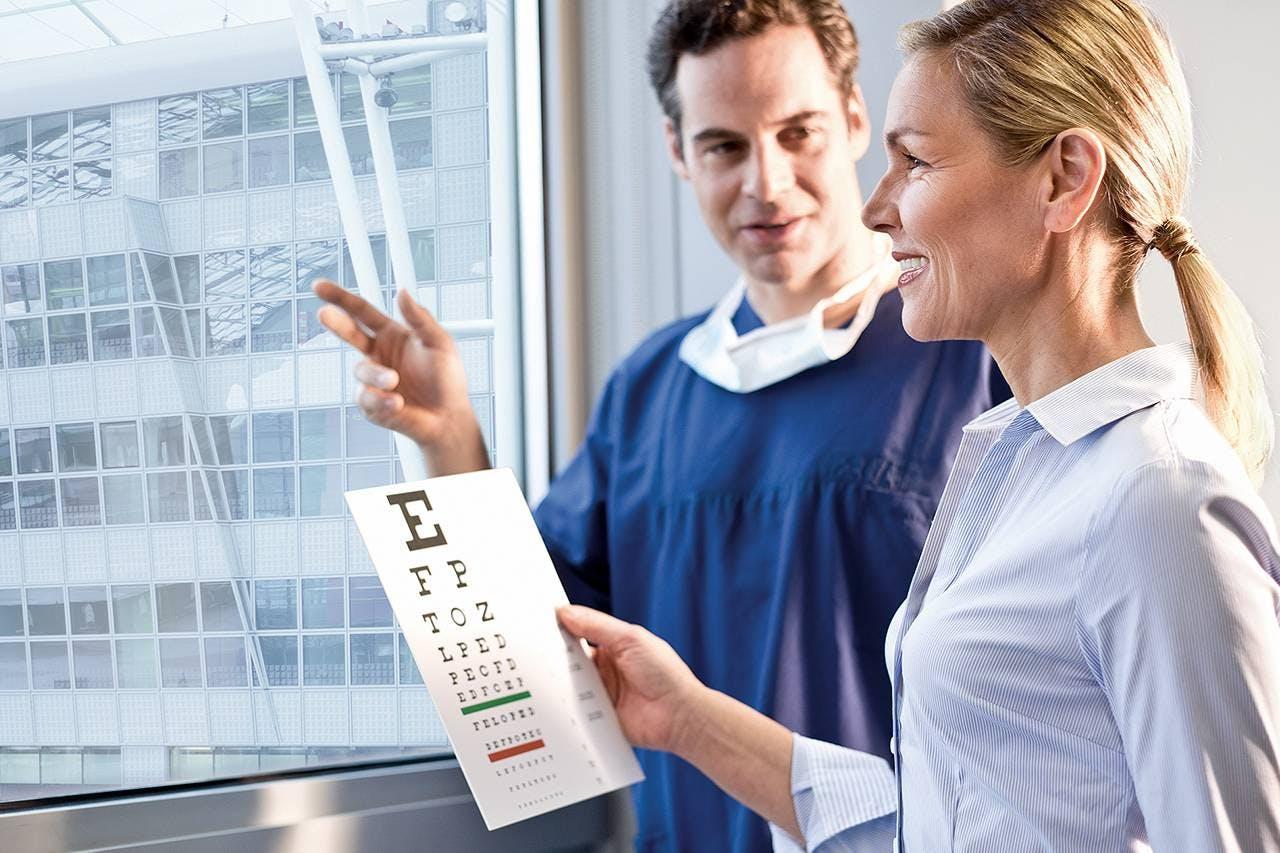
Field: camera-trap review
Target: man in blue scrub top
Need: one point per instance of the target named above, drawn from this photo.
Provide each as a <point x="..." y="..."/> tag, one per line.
<point x="754" y="487"/>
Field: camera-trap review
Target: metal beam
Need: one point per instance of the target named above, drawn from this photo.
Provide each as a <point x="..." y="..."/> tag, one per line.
<point x="84" y="10"/>
<point x="398" y="46"/>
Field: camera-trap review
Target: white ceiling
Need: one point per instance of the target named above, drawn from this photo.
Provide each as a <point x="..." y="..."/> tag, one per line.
<point x="36" y="28"/>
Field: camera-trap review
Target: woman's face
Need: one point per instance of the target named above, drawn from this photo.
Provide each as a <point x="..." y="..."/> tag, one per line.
<point x="968" y="230"/>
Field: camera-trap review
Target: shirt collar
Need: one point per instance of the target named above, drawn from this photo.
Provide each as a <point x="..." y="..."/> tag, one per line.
<point x="1103" y="396"/>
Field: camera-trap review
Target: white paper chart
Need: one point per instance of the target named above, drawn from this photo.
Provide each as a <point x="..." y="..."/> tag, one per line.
<point x="475" y="592"/>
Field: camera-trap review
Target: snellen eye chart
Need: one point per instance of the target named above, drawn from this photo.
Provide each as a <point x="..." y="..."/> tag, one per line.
<point x="475" y="592"/>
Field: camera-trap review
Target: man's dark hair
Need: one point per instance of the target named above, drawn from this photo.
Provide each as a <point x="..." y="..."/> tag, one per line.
<point x="700" y="26"/>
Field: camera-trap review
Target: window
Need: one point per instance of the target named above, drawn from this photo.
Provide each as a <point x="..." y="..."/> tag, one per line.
<point x="308" y="157"/>
<point x="280" y="657"/>
<point x="136" y="663"/>
<point x="24" y="342"/>
<point x="223" y="167"/>
<point x="80" y="504"/>
<point x="63" y="285"/>
<point x="268" y="161"/>
<point x="411" y="141"/>
<point x="176" y="607"/>
<point x="50" y="138"/>
<point x="219" y="607"/>
<point x="13" y="666"/>
<point x="119" y="444"/>
<point x="178" y="120"/>
<point x="108" y="283"/>
<point x="369" y="605"/>
<point x="324" y="660"/>
<point x="77" y="450"/>
<point x="180" y="662"/>
<point x="122" y="499"/>
<point x="49" y="667"/>
<point x="50" y="185"/>
<point x="112" y="335"/>
<point x="13" y="143"/>
<point x="11" y="622"/>
<point x="273" y="437"/>
<point x="365" y="438"/>
<point x="272" y="493"/>
<point x="68" y="339"/>
<point x="320" y="490"/>
<point x="21" y="284"/>
<point x="131" y="607"/>
<point x="268" y="107"/>
<point x="225" y="662"/>
<point x="276" y="604"/>
<point x="35" y="454"/>
<point x="176" y="556"/>
<point x="318" y="260"/>
<point x="91" y="129"/>
<point x="179" y="173"/>
<point x="223" y="113"/>
<point x="93" y="664"/>
<point x="45" y="614"/>
<point x="322" y="603"/>
<point x="373" y="659"/>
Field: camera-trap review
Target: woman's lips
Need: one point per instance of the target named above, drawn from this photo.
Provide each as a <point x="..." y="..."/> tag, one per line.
<point x="912" y="266"/>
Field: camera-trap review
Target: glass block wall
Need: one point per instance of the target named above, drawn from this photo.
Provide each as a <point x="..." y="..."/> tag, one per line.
<point x="182" y="592"/>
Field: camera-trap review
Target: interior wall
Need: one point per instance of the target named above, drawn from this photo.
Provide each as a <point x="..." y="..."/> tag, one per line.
<point x="649" y="258"/>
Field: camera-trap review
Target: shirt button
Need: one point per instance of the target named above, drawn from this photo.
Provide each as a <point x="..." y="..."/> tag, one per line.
<point x="893" y="746"/>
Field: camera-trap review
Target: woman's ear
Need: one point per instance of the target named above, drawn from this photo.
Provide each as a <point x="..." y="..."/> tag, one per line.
<point x="1076" y="163"/>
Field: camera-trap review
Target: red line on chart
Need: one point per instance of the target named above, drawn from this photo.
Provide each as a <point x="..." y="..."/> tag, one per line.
<point x="517" y="750"/>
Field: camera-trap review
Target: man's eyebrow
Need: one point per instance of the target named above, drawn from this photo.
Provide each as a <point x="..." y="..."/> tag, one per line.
<point x="720" y="133"/>
<point x="714" y="133"/>
<point x="893" y="137"/>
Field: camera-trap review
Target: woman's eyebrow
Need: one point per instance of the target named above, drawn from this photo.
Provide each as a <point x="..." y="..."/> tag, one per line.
<point x="893" y="137"/>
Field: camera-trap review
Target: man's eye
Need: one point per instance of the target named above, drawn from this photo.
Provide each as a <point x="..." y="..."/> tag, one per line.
<point x="913" y="163"/>
<point x="797" y="134"/>
<point x="721" y="149"/>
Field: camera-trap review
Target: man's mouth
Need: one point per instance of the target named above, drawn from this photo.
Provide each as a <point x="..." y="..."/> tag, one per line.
<point x="771" y="232"/>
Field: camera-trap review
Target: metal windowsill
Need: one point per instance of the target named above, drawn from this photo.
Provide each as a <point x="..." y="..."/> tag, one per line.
<point x="420" y="804"/>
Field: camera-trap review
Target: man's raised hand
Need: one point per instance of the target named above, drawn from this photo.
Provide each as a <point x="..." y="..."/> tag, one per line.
<point x="411" y="379"/>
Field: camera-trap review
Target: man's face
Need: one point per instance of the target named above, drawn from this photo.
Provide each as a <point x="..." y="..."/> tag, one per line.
<point x="769" y="145"/>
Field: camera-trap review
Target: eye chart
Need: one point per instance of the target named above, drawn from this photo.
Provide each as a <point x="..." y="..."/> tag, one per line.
<point x="475" y="592"/>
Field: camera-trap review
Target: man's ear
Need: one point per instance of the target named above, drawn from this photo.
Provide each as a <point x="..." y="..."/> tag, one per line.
<point x="1074" y="166"/>
<point x="675" y="149"/>
<point x="859" y="123"/>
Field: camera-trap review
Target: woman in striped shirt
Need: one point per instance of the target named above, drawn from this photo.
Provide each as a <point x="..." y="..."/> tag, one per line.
<point x="1089" y="655"/>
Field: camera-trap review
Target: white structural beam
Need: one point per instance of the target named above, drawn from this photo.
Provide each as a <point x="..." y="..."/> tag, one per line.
<point x="398" y="45"/>
<point x="344" y="186"/>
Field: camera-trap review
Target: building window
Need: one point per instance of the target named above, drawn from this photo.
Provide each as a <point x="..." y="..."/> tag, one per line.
<point x="322" y="603"/>
<point x="324" y="660"/>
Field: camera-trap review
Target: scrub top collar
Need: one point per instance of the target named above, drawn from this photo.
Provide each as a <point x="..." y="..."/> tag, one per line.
<point x="743" y="363"/>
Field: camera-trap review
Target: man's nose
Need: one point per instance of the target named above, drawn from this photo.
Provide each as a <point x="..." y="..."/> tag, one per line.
<point x="769" y="173"/>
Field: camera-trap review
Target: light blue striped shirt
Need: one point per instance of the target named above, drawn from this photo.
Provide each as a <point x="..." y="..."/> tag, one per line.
<point x="1088" y="658"/>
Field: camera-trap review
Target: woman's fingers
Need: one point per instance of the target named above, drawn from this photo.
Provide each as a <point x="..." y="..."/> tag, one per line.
<point x="599" y="629"/>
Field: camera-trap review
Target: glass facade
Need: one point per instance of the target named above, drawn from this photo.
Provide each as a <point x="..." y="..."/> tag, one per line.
<point x="182" y="591"/>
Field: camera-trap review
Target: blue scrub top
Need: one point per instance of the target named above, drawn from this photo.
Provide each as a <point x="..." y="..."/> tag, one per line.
<point x="768" y="536"/>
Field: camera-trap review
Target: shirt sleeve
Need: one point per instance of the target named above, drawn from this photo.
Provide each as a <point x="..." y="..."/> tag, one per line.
<point x="573" y="516"/>
<point x="1177" y="614"/>
<point x="845" y="800"/>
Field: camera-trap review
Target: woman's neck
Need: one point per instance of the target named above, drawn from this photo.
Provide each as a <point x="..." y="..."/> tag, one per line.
<point x="1078" y="324"/>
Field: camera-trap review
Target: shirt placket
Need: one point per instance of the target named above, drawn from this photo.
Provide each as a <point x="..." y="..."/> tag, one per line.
<point x="968" y="514"/>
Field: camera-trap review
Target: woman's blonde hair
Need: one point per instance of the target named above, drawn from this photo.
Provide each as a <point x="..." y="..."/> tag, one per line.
<point x="1031" y="69"/>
